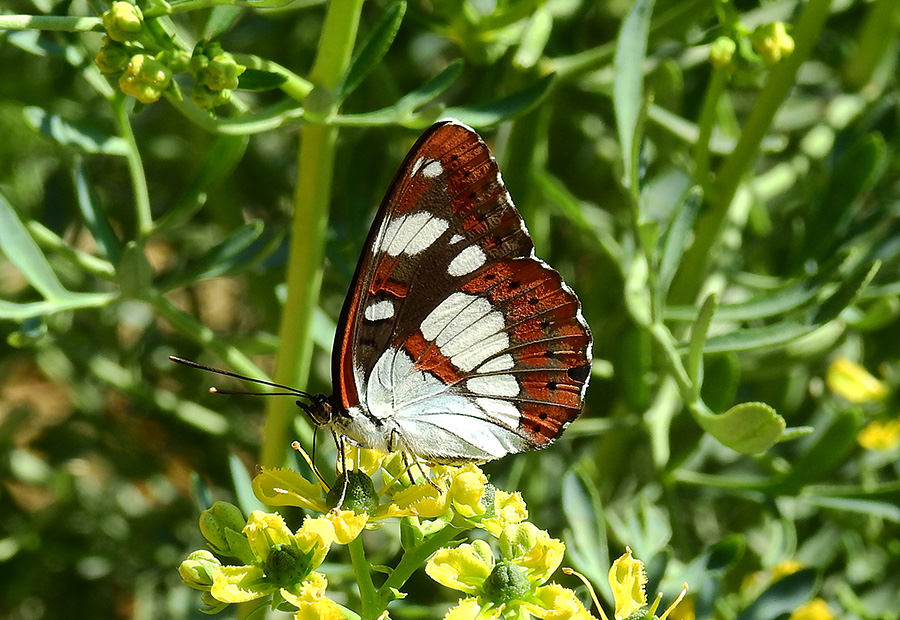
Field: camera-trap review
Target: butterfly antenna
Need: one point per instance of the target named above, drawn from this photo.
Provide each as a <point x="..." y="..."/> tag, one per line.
<point x="289" y="391"/>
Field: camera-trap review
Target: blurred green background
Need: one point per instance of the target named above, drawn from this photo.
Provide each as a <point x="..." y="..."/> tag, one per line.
<point x="108" y="451"/>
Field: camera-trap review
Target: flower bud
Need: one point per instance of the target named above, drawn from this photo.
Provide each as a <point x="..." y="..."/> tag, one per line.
<point x="196" y="571"/>
<point x="506" y="582"/>
<point x="222" y="72"/>
<point x="123" y="22"/>
<point x="360" y="495"/>
<point x="207" y="99"/>
<point x="216" y="520"/>
<point x="852" y="382"/>
<point x="721" y="51"/>
<point x="772" y="42"/>
<point x="112" y="57"/>
<point x="145" y="78"/>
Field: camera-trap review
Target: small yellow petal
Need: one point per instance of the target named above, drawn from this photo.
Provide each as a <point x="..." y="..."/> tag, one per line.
<point x="347" y="525"/>
<point x="471" y="609"/>
<point x="420" y="500"/>
<point x="466" y="491"/>
<point x="852" y="382"/>
<point x="783" y="569"/>
<point x="311" y="602"/>
<point x="285" y="487"/>
<point x="464" y="568"/>
<point x="627" y="579"/>
<point x="880" y="435"/>
<point x="264" y="530"/>
<point x="532" y="548"/>
<point x="363" y="459"/>
<point x="554" y="602"/>
<point x="816" y="609"/>
<point x="239" y="584"/>
<point x="509" y="508"/>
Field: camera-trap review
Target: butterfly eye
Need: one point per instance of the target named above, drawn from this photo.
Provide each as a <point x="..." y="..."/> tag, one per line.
<point x="318" y="409"/>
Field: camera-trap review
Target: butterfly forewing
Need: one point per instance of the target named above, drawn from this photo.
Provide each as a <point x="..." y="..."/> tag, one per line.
<point x="454" y="332"/>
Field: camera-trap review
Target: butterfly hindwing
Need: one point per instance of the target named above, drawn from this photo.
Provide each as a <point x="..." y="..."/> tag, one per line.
<point x="454" y="333"/>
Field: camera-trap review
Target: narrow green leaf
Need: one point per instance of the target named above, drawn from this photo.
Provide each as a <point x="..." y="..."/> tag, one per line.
<point x="243" y="486"/>
<point x="72" y="301"/>
<point x="889" y="510"/>
<point x="261" y="4"/>
<point x="505" y="108"/>
<point x="749" y="338"/>
<point x="134" y="273"/>
<point x="847" y="292"/>
<point x="586" y="533"/>
<point x="856" y="172"/>
<point x="257" y="80"/>
<point x="94" y="217"/>
<point x="227" y="258"/>
<point x="75" y="135"/>
<point x="767" y="305"/>
<point x="373" y="49"/>
<point x="24" y="253"/>
<point x="697" y="340"/>
<point x="432" y="88"/>
<point x="628" y="90"/>
<point x="674" y="242"/>
<point x="748" y="428"/>
<point x="783" y="597"/>
<point x="220" y="20"/>
<point x="637" y="297"/>
<point x="227" y="151"/>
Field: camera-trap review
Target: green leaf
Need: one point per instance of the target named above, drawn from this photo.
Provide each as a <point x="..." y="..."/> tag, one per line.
<point x="94" y="217"/>
<point x="674" y="242"/>
<point x="432" y="88"/>
<point x="783" y="597"/>
<point x="767" y="336"/>
<point x="23" y="252"/>
<point x="75" y="135"/>
<point x="856" y="172"/>
<point x="134" y="273"/>
<point x="256" y="80"/>
<point x="637" y="295"/>
<point x="373" y="49"/>
<point x="235" y="254"/>
<point x="586" y="534"/>
<point x="847" y="292"/>
<point x="505" y="108"/>
<point x="228" y="151"/>
<point x="766" y="305"/>
<point x="243" y="486"/>
<point x="748" y="428"/>
<point x="220" y="20"/>
<point x="697" y="340"/>
<point x="628" y="90"/>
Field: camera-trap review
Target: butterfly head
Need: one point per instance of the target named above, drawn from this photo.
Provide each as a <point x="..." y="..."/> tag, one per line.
<point x="319" y="409"/>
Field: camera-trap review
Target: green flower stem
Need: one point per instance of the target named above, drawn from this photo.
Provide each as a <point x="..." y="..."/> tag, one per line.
<point x="878" y="34"/>
<point x="135" y="167"/>
<point x="202" y="335"/>
<point x="164" y="8"/>
<point x="313" y="195"/>
<point x="51" y="22"/>
<point x="367" y="594"/>
<point x="707" y="122"/>
<point x="412" y="561"/>
<point x="295" y="86"/>
<point x="730" y="175"/>
<point x="49" y="240"/>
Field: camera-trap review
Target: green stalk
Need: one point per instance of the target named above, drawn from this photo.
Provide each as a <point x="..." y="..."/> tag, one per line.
<point x="730" y="175"/>
<point x="313" y="195"/>
<point x="413" y="560"/>
<point x="143" y="218"/>
<point x="51" y="22"/>
<point x="707" y="122"/>
<point x="367" y="595"/>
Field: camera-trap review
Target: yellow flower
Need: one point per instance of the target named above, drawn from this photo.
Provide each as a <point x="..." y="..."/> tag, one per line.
<point x="471" y="609"/>
<point x="554" y="602"/>
<point x="816" y="609"/>
<point x="532" y="549"/>
<point x="467" y="491"/>
<point x="509" y="509"/>
<point x="783" y="569"/>
<point x="464" y="568"/>
<point x="627" y="578"/>
<point x="311" y="602"/>
<point x="239" y="584"/>
<point x="879" y="435"/>
<point x="852" y="382"/>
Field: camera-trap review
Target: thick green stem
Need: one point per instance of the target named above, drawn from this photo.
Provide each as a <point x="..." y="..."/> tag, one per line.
<point x="313" y="195"/>
<point x="729" y="176"/>
<point x="413" y="560"/>
<point x="361" y="568"/>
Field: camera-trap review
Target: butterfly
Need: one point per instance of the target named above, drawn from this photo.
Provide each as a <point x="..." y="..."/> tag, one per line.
<point x="455" y="343"/>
